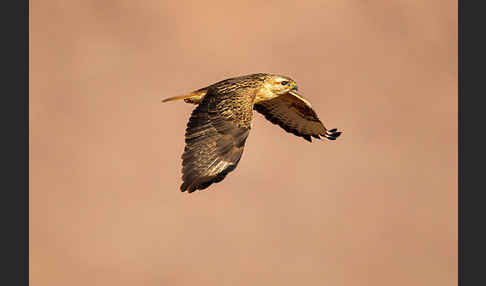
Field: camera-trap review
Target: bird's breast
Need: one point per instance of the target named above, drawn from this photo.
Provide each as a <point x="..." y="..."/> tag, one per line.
<point x="263" y="94"/>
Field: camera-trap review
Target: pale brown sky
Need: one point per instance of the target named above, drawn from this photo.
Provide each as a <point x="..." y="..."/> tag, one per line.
<point x="378" y="206"/>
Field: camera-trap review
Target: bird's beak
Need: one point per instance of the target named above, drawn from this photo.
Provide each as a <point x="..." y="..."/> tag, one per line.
<point x="295" y="87"/>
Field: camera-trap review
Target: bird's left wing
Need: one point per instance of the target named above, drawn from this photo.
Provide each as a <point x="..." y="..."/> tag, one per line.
<point x="294" y="114"/>
<point x="215" y="139"/>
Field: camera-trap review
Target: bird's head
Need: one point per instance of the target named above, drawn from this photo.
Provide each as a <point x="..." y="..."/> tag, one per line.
<point x="279" y="85"/>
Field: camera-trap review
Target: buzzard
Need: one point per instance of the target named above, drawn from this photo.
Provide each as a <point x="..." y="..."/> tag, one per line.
<point x="219" y="125"/>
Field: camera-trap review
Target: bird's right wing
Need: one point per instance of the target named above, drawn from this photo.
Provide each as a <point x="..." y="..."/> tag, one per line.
<point x="295" y="115"/>
<point x="215" y="138"/>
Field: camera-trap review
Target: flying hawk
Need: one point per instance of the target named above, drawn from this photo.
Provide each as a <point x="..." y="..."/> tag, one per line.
<point x="219" y="125"/>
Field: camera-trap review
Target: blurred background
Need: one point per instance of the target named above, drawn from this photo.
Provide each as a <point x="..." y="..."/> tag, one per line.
<point x="378" y="206"/>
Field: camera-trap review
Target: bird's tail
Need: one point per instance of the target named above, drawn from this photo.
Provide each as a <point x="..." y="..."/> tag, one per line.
<point x="176" y="97"/>
<point x="194" y="97"/>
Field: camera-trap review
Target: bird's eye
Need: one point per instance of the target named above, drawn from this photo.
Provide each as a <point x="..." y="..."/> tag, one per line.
<point x="284" y="82"/>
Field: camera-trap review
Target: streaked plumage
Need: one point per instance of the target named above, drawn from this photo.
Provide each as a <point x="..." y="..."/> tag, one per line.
<point x="220" y="124"/>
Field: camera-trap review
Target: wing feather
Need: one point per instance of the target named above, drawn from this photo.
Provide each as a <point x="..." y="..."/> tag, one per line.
<point x="295" y="115"/>
<point x="215" y="137"/>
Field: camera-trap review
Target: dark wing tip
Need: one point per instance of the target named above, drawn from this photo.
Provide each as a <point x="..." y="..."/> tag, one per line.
<point x="192" y="186"/>
<point x="332" y="134"/>
<point x="185" y="187"/>
<point x="203" y="183"/>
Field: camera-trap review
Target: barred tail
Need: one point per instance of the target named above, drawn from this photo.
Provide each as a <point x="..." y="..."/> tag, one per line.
<point x="177" y="97"/>
<point x="194" y="97"/>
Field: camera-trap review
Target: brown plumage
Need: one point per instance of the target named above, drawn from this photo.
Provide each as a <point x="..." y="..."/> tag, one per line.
<point x="220" y="124"/>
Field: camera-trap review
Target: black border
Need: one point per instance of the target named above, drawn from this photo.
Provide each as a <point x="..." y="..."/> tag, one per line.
<point x="15" y="143"/>
<point x="471" y="78"/>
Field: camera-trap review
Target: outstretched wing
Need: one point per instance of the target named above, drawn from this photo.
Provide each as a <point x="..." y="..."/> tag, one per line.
<point x="295" y="114"/>
<point x="215" y="138"/>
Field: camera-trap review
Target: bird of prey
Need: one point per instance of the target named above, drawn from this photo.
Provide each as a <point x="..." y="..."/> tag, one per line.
<point x="219" y="125"/>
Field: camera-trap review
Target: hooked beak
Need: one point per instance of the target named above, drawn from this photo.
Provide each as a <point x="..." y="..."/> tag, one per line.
<point x="295" y="87"/>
